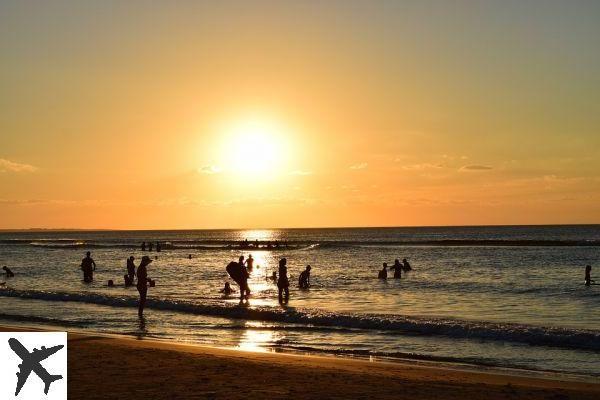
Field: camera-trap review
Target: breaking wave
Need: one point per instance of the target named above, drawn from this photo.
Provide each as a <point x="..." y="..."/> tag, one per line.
<point x="392" y="324"/>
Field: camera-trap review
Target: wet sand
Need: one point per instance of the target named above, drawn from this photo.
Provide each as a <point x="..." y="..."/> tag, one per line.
<point x="102" y="367"/>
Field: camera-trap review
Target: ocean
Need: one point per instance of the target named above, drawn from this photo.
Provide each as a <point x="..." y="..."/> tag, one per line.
<point x="504" y="296"/>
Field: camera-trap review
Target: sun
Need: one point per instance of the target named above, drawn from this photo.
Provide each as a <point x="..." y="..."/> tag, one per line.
<point x="254" y="147"/>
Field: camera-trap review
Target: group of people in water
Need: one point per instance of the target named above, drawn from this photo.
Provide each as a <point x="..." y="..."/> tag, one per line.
<point x="246" y="244"/>
<point x="88" y="266"/>
<point x="397" y="267"/>
<point x="150" y="246"/>
<point x="240" y="273"/>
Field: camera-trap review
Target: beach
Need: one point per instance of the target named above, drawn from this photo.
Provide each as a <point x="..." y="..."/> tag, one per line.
<point x="118" y="367"/>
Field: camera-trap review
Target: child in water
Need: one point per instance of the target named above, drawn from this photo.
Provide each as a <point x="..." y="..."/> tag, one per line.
<point x="227" y="290"/>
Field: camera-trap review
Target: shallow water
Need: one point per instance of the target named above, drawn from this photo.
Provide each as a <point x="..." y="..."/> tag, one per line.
<point x="507" y="296"/>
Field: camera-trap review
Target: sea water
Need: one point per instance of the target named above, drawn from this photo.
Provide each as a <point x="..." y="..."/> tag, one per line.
<point x="502" y="296"/>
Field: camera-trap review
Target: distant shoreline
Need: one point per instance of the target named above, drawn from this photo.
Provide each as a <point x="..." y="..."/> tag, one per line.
<point x="22" y="230"/>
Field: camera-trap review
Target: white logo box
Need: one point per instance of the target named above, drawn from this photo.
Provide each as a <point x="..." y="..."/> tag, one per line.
<point x="55" y="364"/>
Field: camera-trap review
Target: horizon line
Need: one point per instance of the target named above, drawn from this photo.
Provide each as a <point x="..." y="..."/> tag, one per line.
<point x="286" y="228"/>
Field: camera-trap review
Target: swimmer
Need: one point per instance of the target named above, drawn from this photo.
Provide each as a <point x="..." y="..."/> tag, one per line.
<point x="131" y="268"/>
<point x="227" y="290"/>
<point x="397" y="267"/>
<point x="588" y="279"/>
<point x="283" y="283"/>
<point x="250" y="262"/>
<point x="9" y="273"/>
<point x="383" y="273"/>
<point x="304" y="279"/>
<point x="88" y="266"/>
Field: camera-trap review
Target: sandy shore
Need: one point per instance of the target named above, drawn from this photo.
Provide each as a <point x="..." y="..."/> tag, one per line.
<point x="103" y="367"/>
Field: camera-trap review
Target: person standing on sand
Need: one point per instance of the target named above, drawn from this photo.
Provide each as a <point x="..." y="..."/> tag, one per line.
<point x="142" y="283"/>
<point x="397" y="267"/>
<point x="143" y="246"/>
<point x="88" y="266"/>
<point x="283" y="284"/>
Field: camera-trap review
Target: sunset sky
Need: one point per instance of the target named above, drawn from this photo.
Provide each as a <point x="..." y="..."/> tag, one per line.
<point x="297" y="114"/>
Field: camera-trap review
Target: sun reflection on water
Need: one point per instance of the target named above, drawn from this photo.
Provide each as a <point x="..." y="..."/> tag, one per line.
<point x="258" y="234"/>
<point x="257" y="339"/>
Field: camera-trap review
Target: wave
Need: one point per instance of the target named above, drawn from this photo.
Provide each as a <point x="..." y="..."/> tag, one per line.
<point x="43" y="320"/>
<point x="393" y="324"/>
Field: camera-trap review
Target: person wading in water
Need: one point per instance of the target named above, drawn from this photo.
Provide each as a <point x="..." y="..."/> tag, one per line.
<point x="142" y="283"/>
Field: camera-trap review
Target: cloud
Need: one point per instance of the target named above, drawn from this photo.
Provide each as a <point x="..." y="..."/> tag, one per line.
<point x="300" y="173"/>
<point x="420" y="167"/>
<point x="209" y="170"/>
<point x="11" y="166"/>
<point x="475" y="167"/>
<point x="359" y="166"/>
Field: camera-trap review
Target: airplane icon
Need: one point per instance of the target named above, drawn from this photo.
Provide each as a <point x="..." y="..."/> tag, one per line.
<point x="31" y="362"/>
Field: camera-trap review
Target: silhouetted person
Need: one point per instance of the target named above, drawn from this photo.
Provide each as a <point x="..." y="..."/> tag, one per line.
<point x="406" y="266"/>
<point x="131" y="268"/>
<point x="304" y="279"/>
<point x="227" y="290"/>
<point x="142" y="283"/>
<point x="143" y="246"/>
<point x="250" y="262"/>
<point x="244" y="288"/>
<point x="397" y="267"/>
<point x="588" y="278"/>
<point x="283" y="284"/>
<point x="383" y="273"/>
<point x="157" y="246"/>
<point x="150" y="246"/>
<point x="8" y="272"/>
<point x="128" y="280"/>
<point x="88" y="266"/>
<point x="256" y="244"/>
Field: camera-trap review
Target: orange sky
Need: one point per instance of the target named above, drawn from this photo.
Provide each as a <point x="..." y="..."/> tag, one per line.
<point x="275" y="114"/>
